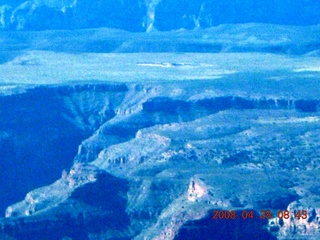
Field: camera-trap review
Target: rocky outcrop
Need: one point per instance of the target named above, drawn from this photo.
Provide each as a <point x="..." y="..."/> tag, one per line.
<point x="303" y="220"/>
<point x="81" y="202"/>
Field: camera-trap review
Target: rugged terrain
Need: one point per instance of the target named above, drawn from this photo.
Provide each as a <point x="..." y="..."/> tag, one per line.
<point x="157" y="157"/>
<point x="150" y="15"/>
<point x="104" y="136"/>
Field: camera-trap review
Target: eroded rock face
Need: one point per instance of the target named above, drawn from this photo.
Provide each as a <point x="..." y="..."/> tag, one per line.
<point x="302" y="220"/>
<point x="41" y="130"/>
<point x="156" y="162"/>
<point x="83" y="203"/>
<point x="164" y="15"/>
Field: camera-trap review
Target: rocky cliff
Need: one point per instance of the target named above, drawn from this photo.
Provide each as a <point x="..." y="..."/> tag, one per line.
<point x="163" y="15"/>
<point x="110" y="134"/>
<point x="156" y="159"/>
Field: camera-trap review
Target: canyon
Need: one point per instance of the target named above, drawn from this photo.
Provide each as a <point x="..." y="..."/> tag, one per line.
<point x="143" y="134"/>
<point x="154" y="160"/>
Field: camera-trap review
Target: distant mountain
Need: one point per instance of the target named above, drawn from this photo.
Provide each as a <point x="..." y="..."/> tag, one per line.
<point x="146" y="15"/>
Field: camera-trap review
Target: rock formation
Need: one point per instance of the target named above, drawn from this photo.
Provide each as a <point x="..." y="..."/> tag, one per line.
<point x="163" y="15"/>
<point x="209" y="133"/>
<point x="157" y="164"/>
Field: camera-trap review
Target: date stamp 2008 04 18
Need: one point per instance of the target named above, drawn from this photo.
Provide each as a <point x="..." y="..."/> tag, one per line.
<point x="264" y="214"/>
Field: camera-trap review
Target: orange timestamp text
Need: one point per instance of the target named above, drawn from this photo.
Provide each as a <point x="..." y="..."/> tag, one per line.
<point x="264" y="214"/>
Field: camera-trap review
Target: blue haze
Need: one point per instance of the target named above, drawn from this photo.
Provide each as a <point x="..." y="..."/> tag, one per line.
<point x="137" y="15"/>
